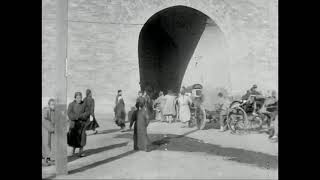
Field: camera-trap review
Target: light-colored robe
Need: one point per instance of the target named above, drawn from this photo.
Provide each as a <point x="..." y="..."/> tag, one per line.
<point x="160" y="103"/>
<point x="170" y="105"/>
<point x="184" y="108"/>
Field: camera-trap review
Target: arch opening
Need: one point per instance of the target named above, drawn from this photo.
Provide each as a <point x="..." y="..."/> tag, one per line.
<point x="167" y="42"/>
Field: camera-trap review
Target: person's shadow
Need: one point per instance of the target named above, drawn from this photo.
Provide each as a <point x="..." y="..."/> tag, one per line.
<point x="186" y="144"/>
<point x="171" y="142"/>
<point x="105" y="132"/>
<point x="90" y="152"/>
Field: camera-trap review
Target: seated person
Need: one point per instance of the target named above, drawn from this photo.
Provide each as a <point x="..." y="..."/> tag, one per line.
<point x="250" y="106"/>
<point x="252" y="91"/>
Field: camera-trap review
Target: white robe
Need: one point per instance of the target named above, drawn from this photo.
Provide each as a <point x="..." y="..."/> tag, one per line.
<point x="184" y="108"/>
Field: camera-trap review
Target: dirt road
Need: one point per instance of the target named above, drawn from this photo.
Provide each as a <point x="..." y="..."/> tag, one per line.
<point x="178" y="153"/>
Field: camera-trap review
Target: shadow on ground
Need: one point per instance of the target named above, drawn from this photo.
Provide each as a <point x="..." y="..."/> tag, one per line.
<point x="105" y="132"/>
<point x="171" y="142"/>
<point x="98" y="150"/>
<point x="101" y="162"/>
<point x="186" y="144"/>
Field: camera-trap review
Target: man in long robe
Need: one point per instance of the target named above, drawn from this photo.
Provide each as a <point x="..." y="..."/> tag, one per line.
<point x="141" y="122"/>
<point x="120" y="113"/>
<point x="47" y="132"/>
<point x="169" y="110"/>
<point x="184" y="103"/>
<point x="159" y="104"/>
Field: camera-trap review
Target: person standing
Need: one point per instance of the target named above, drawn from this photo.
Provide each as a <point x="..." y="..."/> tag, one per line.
<point x="47" y="132"/>
<point x="222" y="108"/>
<point x="273" y="107"/>
<point x="184" y="103"/>
<point x="131" y="113"/>
<point x="140" y="98"/>
<point x="159" y="103"/>
<point x="89" y="103"/>
<point x="78" y="115"/>
<point x="141" y="122"/>
<point x="120" y="112"/>
<point x="149" y="105"/>
<point x="169" y="110"/>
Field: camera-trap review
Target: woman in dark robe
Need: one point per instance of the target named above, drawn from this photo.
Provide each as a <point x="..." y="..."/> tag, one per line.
<point x="119" y="110"/>
<point x="78" y="115"/>
<point x="141" y="121"/>
<point x="89" y="103"/>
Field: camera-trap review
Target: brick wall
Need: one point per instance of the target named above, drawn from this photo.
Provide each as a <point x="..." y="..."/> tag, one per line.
<point x="103" y="44"/>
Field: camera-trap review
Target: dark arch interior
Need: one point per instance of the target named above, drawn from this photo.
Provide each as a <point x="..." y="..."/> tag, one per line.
<point x="166" y="44"/>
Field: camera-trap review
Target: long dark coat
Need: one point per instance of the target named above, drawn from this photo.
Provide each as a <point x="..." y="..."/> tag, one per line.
<point x="140" y="136"/>
<point x="89" y="103"/>
<point x="78" y="115"/>
<point x="120" y="113"/>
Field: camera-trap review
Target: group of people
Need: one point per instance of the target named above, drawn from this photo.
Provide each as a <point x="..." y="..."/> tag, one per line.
<point x="170" y="107"/>
<point x="139" y="117"/>
<point x="82" y="118"/>
<point x="166" y="108"/>
<point x="250" y="105"/>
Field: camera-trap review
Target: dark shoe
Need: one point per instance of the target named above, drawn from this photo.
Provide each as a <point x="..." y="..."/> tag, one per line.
<point x="95" y="132"/>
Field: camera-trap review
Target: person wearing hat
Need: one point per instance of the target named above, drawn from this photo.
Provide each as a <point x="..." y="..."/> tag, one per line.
<point x="252" y="91"/>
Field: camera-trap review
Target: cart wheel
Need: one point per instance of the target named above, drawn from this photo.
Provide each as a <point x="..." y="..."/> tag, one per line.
<point x="257" y="121"/>
<point x="234" y="103"/>
<point x="237" y="119"/>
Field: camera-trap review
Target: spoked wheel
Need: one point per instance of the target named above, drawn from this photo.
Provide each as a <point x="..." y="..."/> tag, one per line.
<point x="255" y="122"/>
<point x="237" y="119"/>
<point x="200" y="116"/>
<point x="234" y="104"/>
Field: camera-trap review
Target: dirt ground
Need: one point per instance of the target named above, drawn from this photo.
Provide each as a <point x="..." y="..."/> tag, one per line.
<point x="177" y="152"/>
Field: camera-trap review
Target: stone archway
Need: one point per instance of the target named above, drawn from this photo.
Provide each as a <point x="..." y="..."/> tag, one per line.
<point x="182" y="46"/>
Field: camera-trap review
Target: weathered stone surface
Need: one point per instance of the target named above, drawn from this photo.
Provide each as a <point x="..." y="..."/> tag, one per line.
<point x="105" y="33"/>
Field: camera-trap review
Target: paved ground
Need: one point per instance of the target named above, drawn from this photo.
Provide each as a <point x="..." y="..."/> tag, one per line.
<point x="179" y="153"/>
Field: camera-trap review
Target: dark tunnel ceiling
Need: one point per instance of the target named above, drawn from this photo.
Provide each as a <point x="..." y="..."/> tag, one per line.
<point x="166" y="44"/>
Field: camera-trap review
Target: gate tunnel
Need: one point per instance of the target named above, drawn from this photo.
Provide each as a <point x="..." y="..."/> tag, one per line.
<point x="167" y="42"/>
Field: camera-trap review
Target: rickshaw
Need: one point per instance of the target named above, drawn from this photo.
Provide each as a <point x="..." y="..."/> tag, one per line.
<point x="241" y="117"/>
<point x="198" y="113"/>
